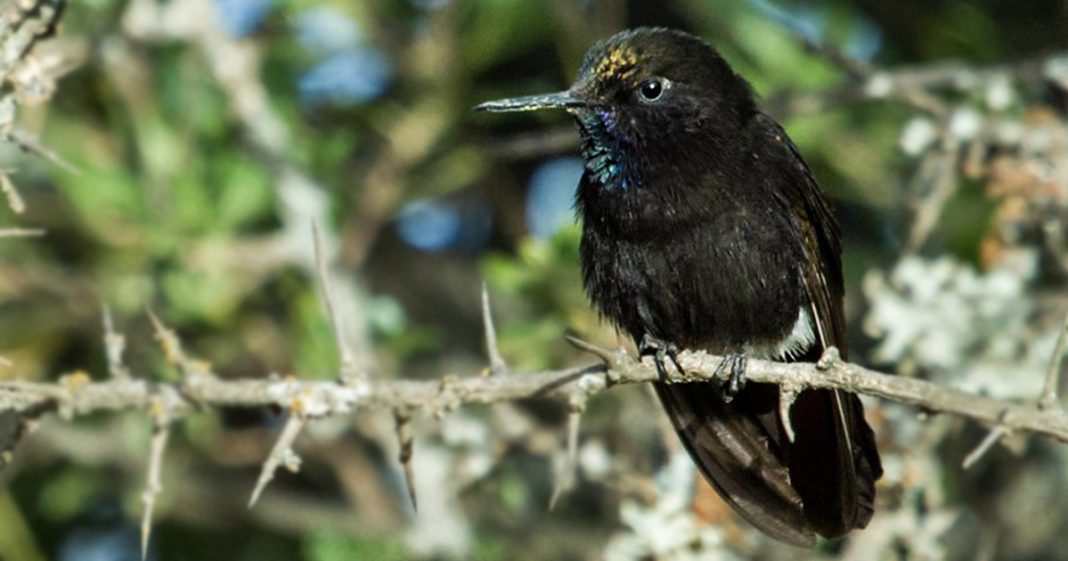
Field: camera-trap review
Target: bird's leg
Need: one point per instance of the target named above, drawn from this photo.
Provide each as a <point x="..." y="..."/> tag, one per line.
<point x="734" y="364"/>
<point x="660" y="349"/>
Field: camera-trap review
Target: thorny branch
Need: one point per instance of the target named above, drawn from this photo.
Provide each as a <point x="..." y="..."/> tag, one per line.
<point x="1047" y="400"/>
<point x="322" y="398"/>
<point x="76" y="394"/>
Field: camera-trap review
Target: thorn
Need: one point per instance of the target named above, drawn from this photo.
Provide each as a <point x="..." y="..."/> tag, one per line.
<point x="174" y="354"/>
<point x="830" y="358"/>
<point x="565" y="477"/>
<point x="497" y="364"/>
<point x="345" y="356"/>
<point x="168" y="340"/>
<point x="992" y="438"/>
<point x="14" y="200"/>
<point x="114" y="344"/>
<point x="608" y="357"/>
<point x="30" y="143"/>
<point x="404" y="438"/>
<point x="1048" y="399"/>
<point x="153" y="482"/>
<point x="281" y="455"/>
<point x="787" y="395"/>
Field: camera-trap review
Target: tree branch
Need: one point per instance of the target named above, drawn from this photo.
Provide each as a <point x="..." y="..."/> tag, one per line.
<point x="323" y="398"/>
<point x="919" y="86"/>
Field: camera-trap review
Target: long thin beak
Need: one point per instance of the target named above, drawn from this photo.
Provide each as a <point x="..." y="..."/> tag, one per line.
<point x="558" y="100"/>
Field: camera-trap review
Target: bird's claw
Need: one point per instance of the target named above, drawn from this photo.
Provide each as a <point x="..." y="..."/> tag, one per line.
<point x="660" y="350"/>
<point x="734" y="364"/>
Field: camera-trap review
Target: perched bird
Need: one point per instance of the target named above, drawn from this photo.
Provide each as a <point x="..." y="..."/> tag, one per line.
<point x="703" y="228"/>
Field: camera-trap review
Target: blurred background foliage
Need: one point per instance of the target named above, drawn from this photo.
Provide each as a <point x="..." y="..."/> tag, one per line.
<point x="208" y="134"/>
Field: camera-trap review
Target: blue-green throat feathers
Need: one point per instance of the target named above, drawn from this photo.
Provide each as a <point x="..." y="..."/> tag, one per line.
<point x="606" y="160"/>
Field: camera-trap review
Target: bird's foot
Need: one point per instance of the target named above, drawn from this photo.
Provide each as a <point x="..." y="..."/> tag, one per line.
<point x="660" y="349"/>
<point x="734" y="364"/>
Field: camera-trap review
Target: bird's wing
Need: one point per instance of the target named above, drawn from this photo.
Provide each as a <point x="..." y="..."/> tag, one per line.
<point x="833" y="461"/>
<point x="821" y="481"/>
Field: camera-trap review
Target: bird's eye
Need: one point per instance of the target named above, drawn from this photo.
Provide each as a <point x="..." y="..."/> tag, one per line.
<point x="652" y="89"/>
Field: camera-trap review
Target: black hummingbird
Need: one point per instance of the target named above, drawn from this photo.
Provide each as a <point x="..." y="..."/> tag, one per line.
<point x="703" y="228"/>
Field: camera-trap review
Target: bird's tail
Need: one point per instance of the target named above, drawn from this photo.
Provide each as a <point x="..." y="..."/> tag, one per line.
<point x="822" y="481"/>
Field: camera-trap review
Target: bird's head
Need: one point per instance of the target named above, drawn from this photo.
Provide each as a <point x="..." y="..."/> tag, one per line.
<point x="643" y="95"/>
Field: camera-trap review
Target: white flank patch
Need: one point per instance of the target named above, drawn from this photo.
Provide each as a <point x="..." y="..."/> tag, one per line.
<point x="801" y="337"/>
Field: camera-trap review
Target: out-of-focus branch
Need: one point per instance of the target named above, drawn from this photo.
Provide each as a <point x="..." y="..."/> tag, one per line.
<point x="78" y="396"/>
<point x="1047" y="400"/>
<point x="22" y="25"/>
<point x="21" y="232"/>
<point x="918" y="86"/>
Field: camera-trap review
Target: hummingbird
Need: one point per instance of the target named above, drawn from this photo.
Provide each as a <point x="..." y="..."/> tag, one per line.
<point x="703" y="228"/>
